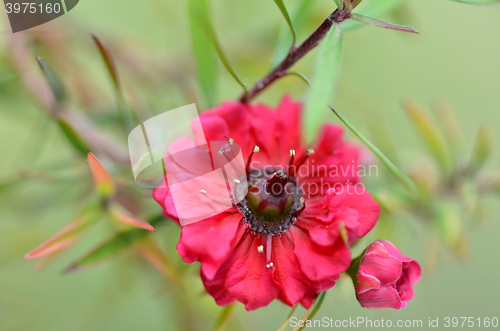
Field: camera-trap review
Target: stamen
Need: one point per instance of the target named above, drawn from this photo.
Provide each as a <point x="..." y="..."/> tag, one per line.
<point x="203" y="192"/>
<point x="230" y="141"/>
<point x="255" y="150"/>
<point x="260" y="249"/>
<point x="303" y="159"/>
<point x="237" y="181"/>
<point x="298" y="212"/>
<point x="269" y="243"/>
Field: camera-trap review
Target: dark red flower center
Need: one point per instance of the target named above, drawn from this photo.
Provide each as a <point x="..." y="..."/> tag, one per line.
<point x="273" y="202"/>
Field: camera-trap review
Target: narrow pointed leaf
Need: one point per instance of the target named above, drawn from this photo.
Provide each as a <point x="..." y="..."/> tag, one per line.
<point x="301" y="76"/>
<point x="394" y="170"/>
<point x="109" y="61"/>
<point x="312" y="311"/>
<point x="204" y="53"/>
<point x="451" y="128"/>
<point x="218" y="49"/>
<point x="55" y="83"/>
<point x="430" y="134"/>
<point x="482" y="147"/>
<point x="285" y="37"/>
<point x="72" y="135"/>
<point x="112" y="247"/>
<point x="381" y="24"/>
<point x="283" y="10"/>
<point x="323" y="80"/>
<point x="150" y="250"/>
<point x="225" y="317"/>
<point x="372" y="9"/>
<point x="103" y="182"/>
<point x="68" y="236"/>
<point x="125" y="218"/>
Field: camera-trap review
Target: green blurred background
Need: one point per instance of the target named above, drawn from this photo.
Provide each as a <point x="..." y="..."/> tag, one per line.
<point x="455" y="58"/>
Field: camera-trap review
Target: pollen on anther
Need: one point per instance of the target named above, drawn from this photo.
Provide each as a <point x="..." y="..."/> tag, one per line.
<point x="203" y="191"/>
<point x="260" y="249"/>
<point x="310" y="151"/>
<point x="221" y="152"/>
<point x="269" y="265"/>
<point x="237" y="181"/>
<point x="230" y="141"/>
<point x="302" y="200"/>
<point x="256" y="149"/>
<point x="292" y="152"/>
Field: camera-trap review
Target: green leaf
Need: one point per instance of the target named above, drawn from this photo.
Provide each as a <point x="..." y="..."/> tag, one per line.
<point x="55" y="83"/>
<point x="209" y="28"/>
<point x="204" y="53"/>
<point x="285" y="37"/>
<point x="312" y="311"/>
<point x="109" y="61"/>
<point x="224" y="318"/>
<point x="323" y="80"/>
<point x="482" y="147"/>
<point x="395" y="171"/>
<point x="283" y="10"/>
<point x="73" y="136"/>
<point x="111" y="247"/>
<point x="381" y="24"/>
<point x="478" y="2"/>
<point x="301" y="76"/>
<point x="339" y="3"/>
<point x="129" y="116"/>
<point x="451" y="128"/>
<point x="430" y="133"/>
<point x="373" y="9"/>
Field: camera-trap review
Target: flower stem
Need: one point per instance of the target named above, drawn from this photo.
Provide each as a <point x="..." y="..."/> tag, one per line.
<point x="312" y="311"/>
<point x="285" y="323"/>
<point x="295" y="54"/>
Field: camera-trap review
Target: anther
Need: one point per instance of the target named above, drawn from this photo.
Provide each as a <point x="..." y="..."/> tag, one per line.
<point x="203" y="191"/>
<point x="237" y="181"/>
<point x="303" y="159"/>
<point x="221" y="152"/>
<point x="254" y="150"/>
<point x="230" y="141"/>
<point x="260" y="249"/>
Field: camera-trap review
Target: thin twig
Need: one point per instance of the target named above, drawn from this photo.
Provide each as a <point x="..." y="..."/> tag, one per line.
<point x="296" y="53"/>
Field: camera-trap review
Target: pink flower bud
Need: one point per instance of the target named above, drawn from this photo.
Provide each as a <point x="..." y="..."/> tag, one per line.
<point x="384" y="277"/>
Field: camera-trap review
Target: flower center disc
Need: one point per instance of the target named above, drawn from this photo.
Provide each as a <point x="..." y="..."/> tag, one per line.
<point x="273" y="201"/>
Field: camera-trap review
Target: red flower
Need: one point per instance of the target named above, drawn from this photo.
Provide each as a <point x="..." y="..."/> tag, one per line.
<point x="385" y="277"/>
<point x="286" y="239"/>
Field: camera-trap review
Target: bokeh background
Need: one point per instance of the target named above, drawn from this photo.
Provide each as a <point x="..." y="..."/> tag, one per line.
<point x="42" y="180"/>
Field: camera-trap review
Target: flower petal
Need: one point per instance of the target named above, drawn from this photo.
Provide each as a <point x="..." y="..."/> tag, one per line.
<point x="317" y="262"/>
<point x="293" y="282"/>
<point x="384" y="297"/>
<point x="244" y="277"/>
<point x="209" y="241"/>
